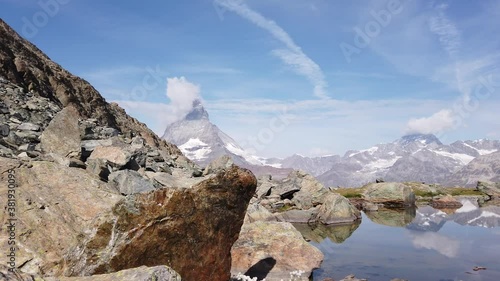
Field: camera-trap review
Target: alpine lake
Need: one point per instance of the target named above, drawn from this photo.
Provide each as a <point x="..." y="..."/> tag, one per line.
<point x="417" y="244"/>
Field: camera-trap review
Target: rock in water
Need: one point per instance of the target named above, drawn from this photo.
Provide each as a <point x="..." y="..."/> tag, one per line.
<point x="390" y="194"/>
<point x="337" y="209"/>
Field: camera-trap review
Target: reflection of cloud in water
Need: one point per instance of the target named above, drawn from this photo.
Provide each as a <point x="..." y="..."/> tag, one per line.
<point x="434" y="241"/>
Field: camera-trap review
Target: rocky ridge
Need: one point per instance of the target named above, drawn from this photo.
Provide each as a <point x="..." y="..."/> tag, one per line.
<point x="96" y="191"/>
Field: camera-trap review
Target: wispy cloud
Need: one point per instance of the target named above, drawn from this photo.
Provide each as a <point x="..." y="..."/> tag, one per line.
<point x="449" y="35"/>
<point x="292" y="55"/>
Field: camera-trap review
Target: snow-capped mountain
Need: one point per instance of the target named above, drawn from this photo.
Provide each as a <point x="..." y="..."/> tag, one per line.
<point x="201" y="141"/>
<point x="414" y="157"/>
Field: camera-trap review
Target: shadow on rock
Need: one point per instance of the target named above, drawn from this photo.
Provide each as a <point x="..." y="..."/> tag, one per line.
<point x="393" y="217"/>
<point x="261" y="268"/>
<point x="319" y="232"/>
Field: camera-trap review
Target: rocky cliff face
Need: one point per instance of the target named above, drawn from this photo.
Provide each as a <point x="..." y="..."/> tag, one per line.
<point x="26" y="66"/>
<point x="96" y="191"/>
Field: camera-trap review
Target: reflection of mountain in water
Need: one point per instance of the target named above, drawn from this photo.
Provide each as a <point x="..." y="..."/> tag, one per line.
<point x="391" y="217"/>
<point x="336" y="233"/>
<point x="484" y="217"/>
<point x="428" y="219"/>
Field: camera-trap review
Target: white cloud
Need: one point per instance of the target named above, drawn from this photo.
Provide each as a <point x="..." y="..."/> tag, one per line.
<point x="158" y="116"/>
<point x="448" y="34"/>
<point x="292" y="56"/>
<point x="437" y="123"/>
<point x="444" y="245"/>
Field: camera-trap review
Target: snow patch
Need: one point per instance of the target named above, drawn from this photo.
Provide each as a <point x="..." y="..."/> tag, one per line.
<point x="195" y="149"/>
<point x="486" y="151"/>
<point x="240" y="152"/>
<point x="462" y="158"/>
<point x="481" y="151"/>
<point x="370" y="150"/>
<point x="380" y="164"/>
<point x="192" y="143"/>
<point x="467" y="206"/>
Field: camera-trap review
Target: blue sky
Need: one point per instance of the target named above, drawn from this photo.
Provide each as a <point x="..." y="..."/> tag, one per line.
<point x="281" y="77"/>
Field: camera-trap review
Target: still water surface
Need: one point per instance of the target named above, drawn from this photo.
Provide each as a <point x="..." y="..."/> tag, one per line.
<point x="418" y="245"/>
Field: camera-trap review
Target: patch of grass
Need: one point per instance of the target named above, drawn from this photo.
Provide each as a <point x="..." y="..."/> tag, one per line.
<point x="284" y="208"/>
<point x="353" y="195"/>
<point x="424" y="193"/>
<point x="350" y="192"/>
<point x="457" y="191"/>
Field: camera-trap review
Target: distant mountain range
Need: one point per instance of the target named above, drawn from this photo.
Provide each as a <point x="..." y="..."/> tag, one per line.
<point x="416" y="157"/>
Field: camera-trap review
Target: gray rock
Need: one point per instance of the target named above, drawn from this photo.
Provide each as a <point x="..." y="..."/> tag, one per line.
<point x="370" y="207"/>
<point x="257" y="212"/>
<point x="28" y="127"/>
<point x="98" y="167"/>
<point x="390" y="194"/>
<point x="62" y="135"/>
<point x="298" y="216"/>
<point x="4" y="130"/>
<point x="337" y="209"/>
<point x="116" y="156"/>
<point x="130" y="182"/>
<point x="90" y="145"/>
<point x="219" y="164"/>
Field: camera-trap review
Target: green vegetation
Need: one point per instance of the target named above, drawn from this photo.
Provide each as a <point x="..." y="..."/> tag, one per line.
<point x="284" y="208"/>
<point x="350" y="192"/>
<point x="457" y="191"/>
<point x="426" y="193"/>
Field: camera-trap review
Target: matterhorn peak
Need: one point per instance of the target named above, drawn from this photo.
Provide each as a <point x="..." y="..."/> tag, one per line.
<point x="198" y="112"/>
<point x="424" y="139"/>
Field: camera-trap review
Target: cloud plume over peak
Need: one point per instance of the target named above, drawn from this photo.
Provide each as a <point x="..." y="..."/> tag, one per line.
<point x="182" y="94"/>
<point x="437" y="123"/>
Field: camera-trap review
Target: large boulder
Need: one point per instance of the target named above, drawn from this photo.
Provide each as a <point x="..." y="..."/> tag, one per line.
<point x="337" y="209"/>
<point x="116" y="156"/>
<point x="62" y="135"/>
<point x="272" y="250"/>
<point x="129" y="182"/>
<point x="302" y="189"/>
<point x="390" y="194"/>
<point x="74" y="224"/>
